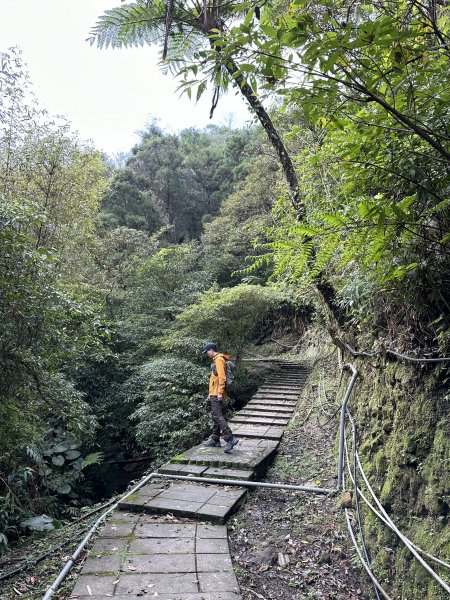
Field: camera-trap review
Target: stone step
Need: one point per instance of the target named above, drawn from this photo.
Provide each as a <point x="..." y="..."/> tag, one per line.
<point x="288" y="374"/>
<point x="286" y="380"/>
<point x="278" y="389"/>
<point x="283" y="388"/>
<point x="206" y="502"/>
<point x="260" y="420"/>
<point x="137" y="554"/>
<point x="142" y="594"/>
<point x="228" y="473"/>
<point x="295" y="385"/>
<point x="160" y="559"/>
<point x="281" y="418"/>
<point x="272" y="402"/>
<point x="264" y="432"/>
<point x="266" y="414"/>
<point x="268" y="407"/>
<point x="181" y="469"/>
<point x="290" y="397"/>
<point x="275" y="398"/>
<point x="203" y="471"/>
<point x="252" y="455"/>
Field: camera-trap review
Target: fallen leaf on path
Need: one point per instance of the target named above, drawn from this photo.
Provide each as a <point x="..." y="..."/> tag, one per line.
<point x="263" y="568"/>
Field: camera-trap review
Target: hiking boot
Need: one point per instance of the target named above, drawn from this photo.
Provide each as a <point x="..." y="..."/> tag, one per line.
<point x="211" y="443"/>
<point x="231" y="443"/>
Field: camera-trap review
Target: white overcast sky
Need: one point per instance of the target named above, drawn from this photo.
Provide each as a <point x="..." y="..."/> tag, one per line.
<point x="108" y="95"/>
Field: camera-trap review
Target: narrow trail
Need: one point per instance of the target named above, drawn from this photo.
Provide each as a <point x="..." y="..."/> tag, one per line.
<point x="292" y="545"/>
<point x="168" y="540"/>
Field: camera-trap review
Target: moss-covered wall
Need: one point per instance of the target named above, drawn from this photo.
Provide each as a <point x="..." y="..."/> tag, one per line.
<point x="402" y="414"/>
<point x="403" y="420"/>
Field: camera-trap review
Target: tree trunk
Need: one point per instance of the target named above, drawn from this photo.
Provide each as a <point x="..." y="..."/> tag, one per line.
<point x="274" y="137"/>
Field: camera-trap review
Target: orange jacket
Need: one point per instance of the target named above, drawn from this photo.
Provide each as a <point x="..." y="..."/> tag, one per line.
<point x="218" y="376"/>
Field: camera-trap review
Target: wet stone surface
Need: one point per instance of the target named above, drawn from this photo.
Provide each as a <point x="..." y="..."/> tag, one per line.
<point x="185" y="558"/>
<point x="259" y="431"/>
<point x="248" y="454"/>
<point x="210" y="502"/>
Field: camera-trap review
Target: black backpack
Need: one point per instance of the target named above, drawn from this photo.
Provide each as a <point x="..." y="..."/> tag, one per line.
<point x="229" y="372"/>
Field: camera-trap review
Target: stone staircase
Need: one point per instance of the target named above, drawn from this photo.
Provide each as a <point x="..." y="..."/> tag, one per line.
<point x="168" y="539"/>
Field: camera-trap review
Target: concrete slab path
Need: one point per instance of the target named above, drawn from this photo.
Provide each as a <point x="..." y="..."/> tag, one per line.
<point x="138" y="556"/>
<point x="160" y="543"/>
<point x="207" y="502"/>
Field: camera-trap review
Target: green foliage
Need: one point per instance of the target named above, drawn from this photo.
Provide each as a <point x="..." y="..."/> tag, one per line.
<point x="244" y="215"/>
<point x="173" y="410"/>
<point x="129" y="202"/>
<point x="50" y="186"/>
<point x="59" y="463"/>
<point x="44" y="163"/>
<point x="362" y="70"/>
<point x="175" y="180"/>
<point x="374" y="168"/>
<point x="42" y="332"/>
<point x="37" y="317"/>
<point x="164" y="285"/>
<point x="136" y="24"/>
<point x="149" y="287"/>
<point x="232" y="316"/>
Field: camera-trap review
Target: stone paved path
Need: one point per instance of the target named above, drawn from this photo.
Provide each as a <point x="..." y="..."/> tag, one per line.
<point x="136" y="556"/>
<point x="168" y="539"/>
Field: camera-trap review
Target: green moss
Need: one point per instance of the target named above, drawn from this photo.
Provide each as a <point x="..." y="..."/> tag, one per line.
<point x="179" y="458"/>
<point x="403" y="422"/>
<point x="132" y="497"/>
<point x="380" y="462"/>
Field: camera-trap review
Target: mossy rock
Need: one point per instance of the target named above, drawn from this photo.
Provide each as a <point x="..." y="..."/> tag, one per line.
<point x="403" y="424"/>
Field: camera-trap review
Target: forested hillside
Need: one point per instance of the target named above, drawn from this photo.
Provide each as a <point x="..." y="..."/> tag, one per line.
<point x="331" y="212"/>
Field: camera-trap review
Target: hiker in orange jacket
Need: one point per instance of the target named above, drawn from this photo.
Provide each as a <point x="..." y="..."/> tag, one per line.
<point x="217" y="393"/>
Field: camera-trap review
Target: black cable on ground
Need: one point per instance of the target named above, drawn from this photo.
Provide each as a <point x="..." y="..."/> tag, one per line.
<point x="36" y="561"/>
<point x="91" y="512"/>
<point x="29" y="564"/>
<point x="322" y="425"/>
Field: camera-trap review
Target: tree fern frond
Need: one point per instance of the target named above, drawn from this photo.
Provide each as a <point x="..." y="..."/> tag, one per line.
<point x="184" y="44"/>
<point x="94" y="458"/>
<point x="135" y="24"/>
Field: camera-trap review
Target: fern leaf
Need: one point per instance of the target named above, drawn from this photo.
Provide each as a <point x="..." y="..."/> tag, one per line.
<point x="94" y="458"/>
<point x="34" y="454"/>
<point x="135" y="24"/>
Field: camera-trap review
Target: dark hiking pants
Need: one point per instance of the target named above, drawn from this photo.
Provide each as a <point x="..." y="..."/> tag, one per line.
<point x="220" y="426"/>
